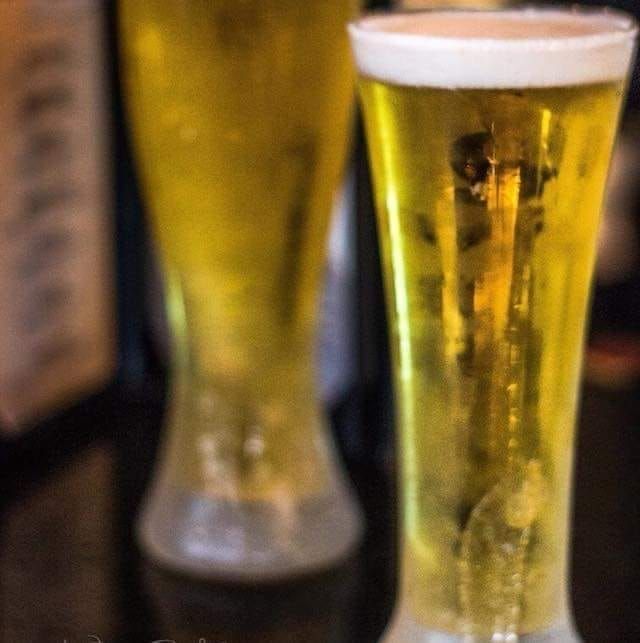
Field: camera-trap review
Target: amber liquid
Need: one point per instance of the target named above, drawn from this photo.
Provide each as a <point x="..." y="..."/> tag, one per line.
<point x="488" y="206"/>
<point x="240" y="112"/>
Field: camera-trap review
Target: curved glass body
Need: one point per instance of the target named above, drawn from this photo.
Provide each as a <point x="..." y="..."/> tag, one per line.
<point x="488" y="194"/>
<point x="240" y="112"/>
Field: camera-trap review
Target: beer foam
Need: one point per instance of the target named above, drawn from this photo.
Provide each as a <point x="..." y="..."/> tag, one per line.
<point x="494" y="49"/>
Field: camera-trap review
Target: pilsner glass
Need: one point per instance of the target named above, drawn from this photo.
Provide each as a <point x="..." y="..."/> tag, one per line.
<point x="240" y="112"/>
<point x="489" y="136"/>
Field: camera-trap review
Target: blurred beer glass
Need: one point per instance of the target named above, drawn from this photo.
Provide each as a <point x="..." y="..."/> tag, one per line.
<point x="240" y="112"/>
<point x="490" y="135"/>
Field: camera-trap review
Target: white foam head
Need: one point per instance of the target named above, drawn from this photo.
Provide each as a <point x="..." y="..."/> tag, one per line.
<point x="494" y="49"/>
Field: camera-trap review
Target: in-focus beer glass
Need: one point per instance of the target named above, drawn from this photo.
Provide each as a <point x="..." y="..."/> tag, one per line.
<point x="489" y="137"/>
<point x="240" y="113"/>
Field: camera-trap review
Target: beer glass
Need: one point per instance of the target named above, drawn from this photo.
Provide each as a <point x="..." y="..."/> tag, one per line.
<point x="240" y="113"/>
<point x="489" y="137"/>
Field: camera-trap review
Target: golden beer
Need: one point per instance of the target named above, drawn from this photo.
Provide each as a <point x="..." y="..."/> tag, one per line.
<point x="240" y="112"/>
<point x="490" y="137"/>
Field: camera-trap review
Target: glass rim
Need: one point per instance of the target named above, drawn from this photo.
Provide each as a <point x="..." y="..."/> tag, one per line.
<point x="624" y="25"/>
<point x="387" y="46"/>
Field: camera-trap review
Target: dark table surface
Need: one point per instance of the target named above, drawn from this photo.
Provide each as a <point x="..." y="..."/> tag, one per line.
<point x="70" y="570"/>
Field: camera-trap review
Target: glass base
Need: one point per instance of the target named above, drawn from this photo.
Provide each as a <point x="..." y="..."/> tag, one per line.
<point x="248" y="541"/>
<point x="403" y="629"/>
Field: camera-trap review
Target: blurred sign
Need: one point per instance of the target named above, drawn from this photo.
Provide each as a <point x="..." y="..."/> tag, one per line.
<point x="56" y="320"/>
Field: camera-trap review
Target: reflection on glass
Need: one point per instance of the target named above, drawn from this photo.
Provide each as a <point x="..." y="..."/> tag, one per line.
<point x="313" y="610"/>
<point x="240" y="114"/>
<point x="490" y="137"/>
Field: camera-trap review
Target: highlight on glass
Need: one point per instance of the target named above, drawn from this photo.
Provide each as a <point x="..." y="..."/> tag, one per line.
<point x="240" y="115"/>
<point x="490" y="136"/>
